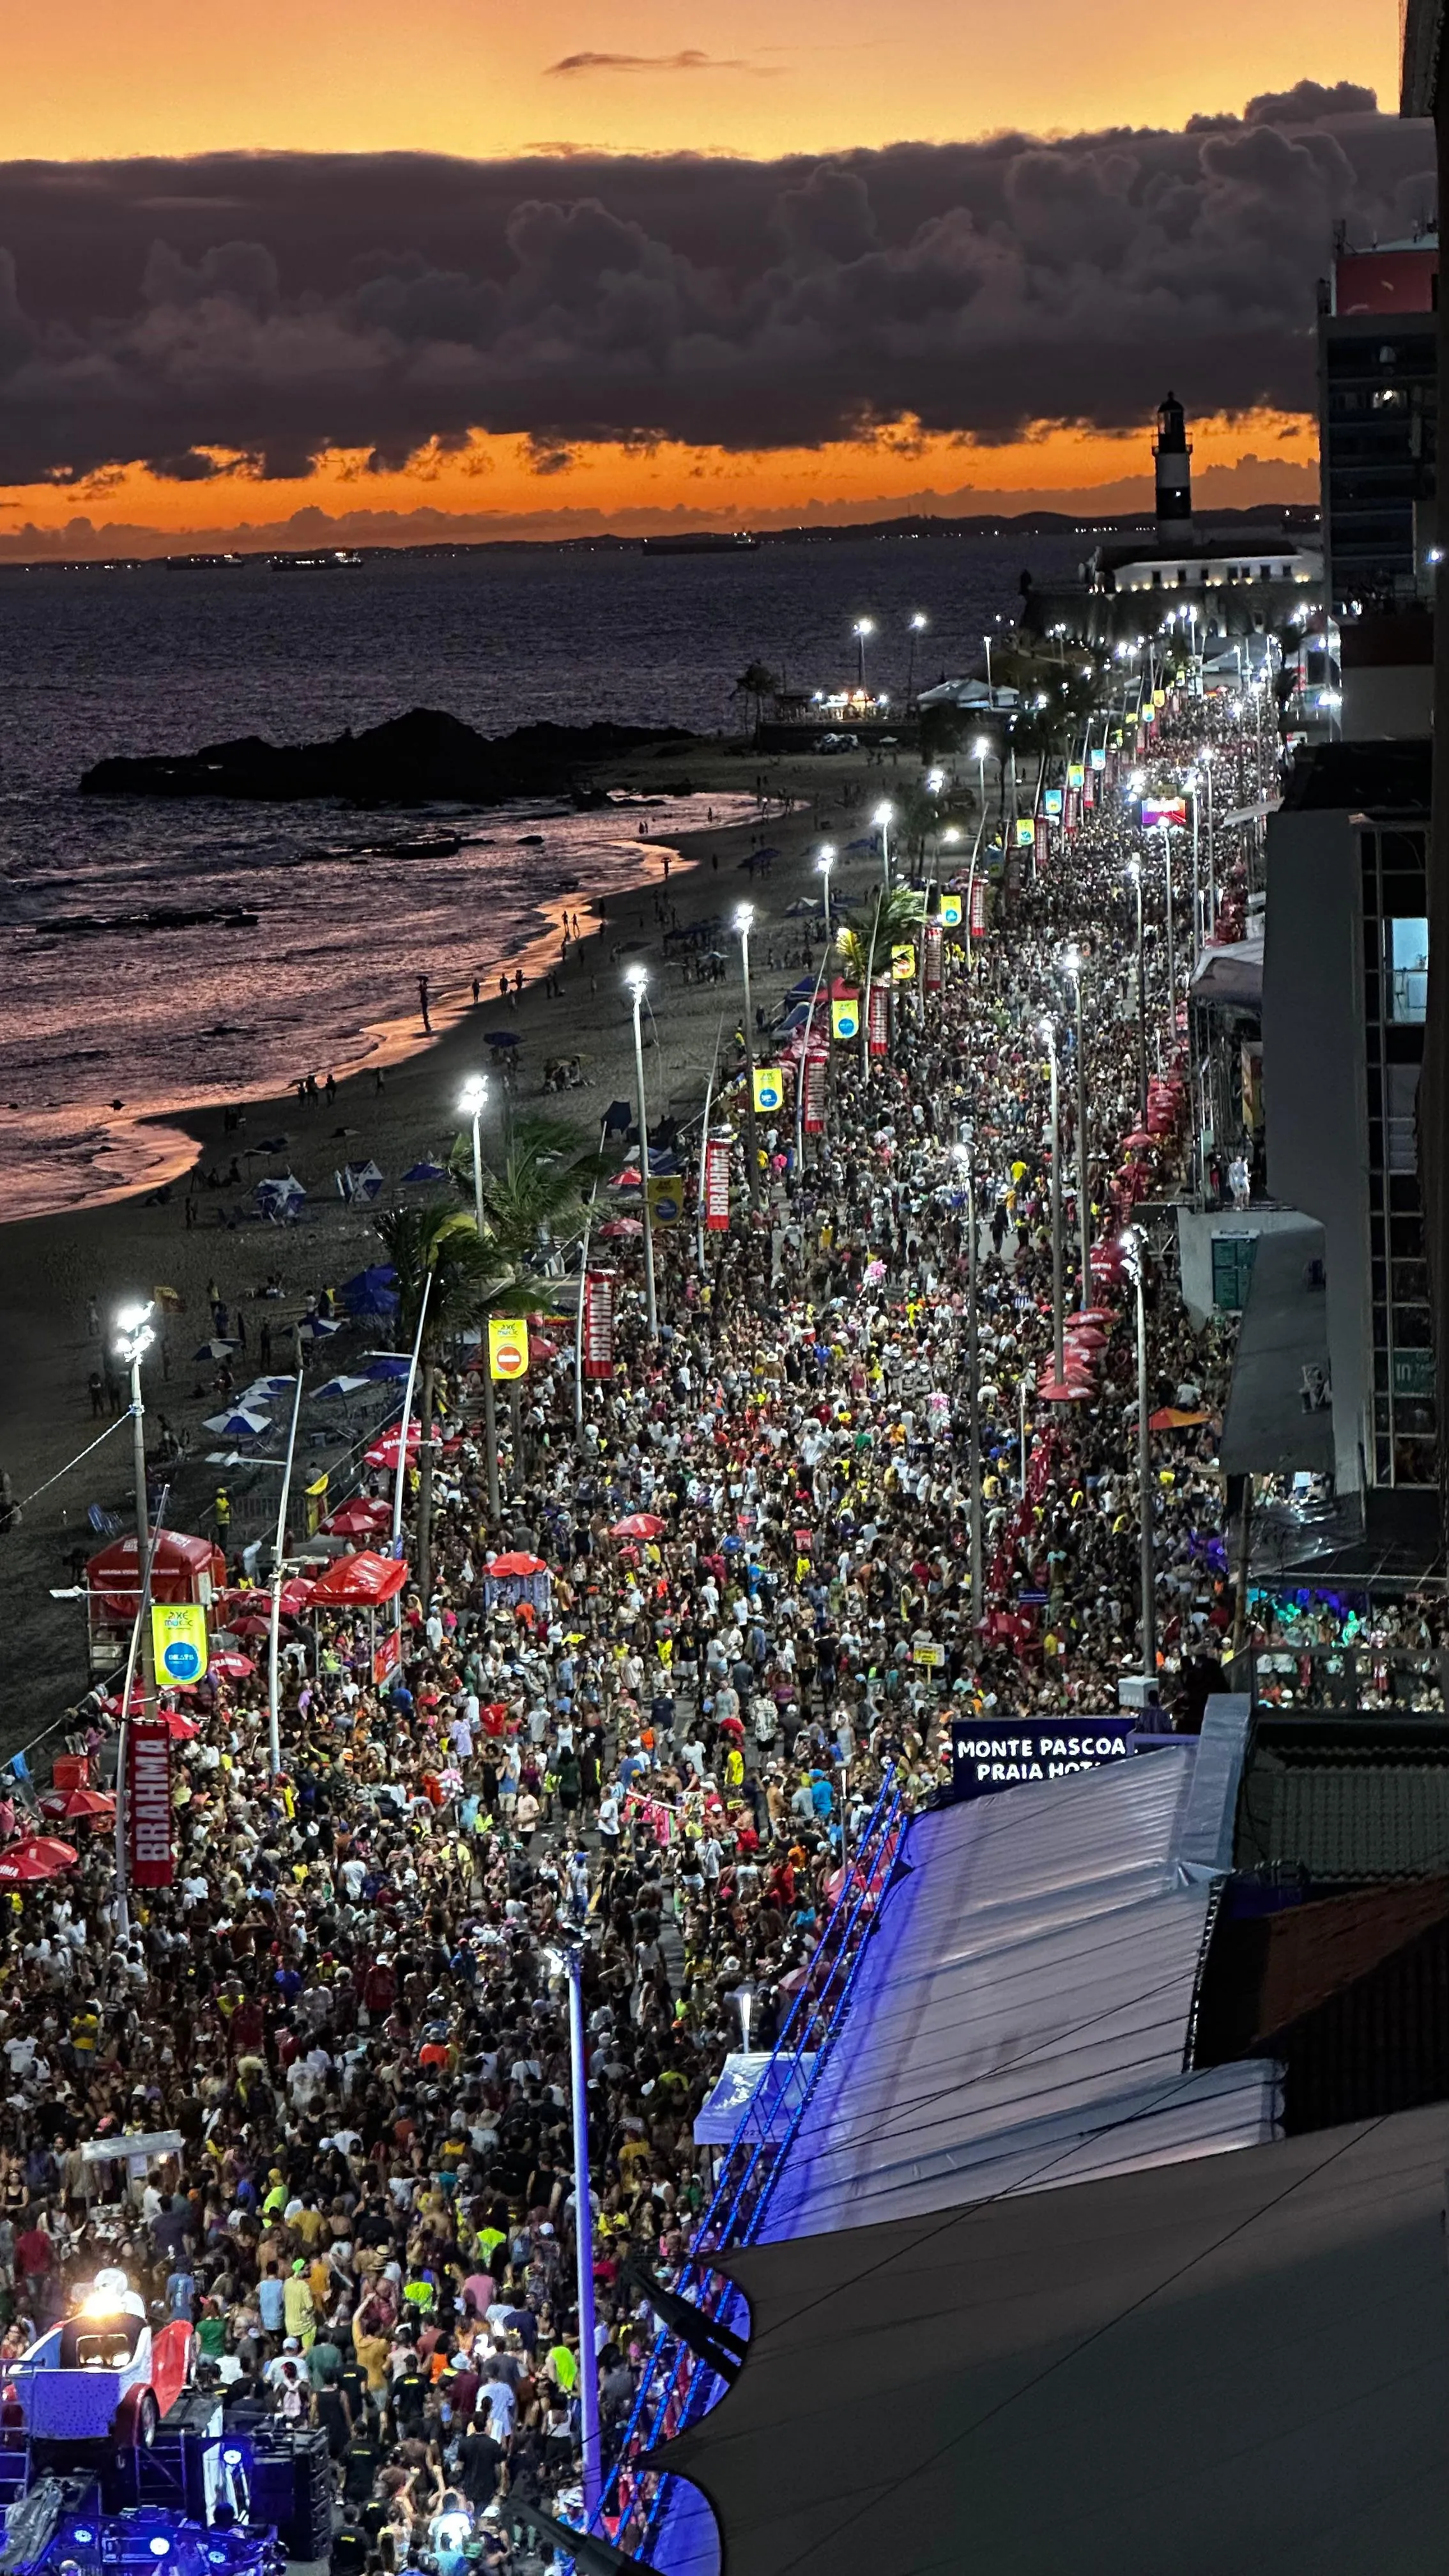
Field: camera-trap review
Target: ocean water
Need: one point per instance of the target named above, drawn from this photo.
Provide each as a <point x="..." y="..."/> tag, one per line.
<point x="94" y="662"/>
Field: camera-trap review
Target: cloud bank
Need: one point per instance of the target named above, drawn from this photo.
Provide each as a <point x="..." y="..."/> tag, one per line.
<point x="272" y="307"/>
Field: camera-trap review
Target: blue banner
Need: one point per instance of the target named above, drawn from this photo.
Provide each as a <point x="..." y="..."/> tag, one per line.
<point x="989" y="1753"/>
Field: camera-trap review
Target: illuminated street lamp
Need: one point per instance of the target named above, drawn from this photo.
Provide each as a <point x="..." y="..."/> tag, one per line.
<point x="1058" y="1352"/>
<point x="471" y="1101"/>
<point x="1132" y="1249"/>
<point x="883" y="817"/>
<point x="637" y="979"/>
<point x="863" y="626"/>
<point x="917" y="624"/>
<point x="744" y="916"/>
<point x="1134" y="879"/>
<point x="825" y="861"/>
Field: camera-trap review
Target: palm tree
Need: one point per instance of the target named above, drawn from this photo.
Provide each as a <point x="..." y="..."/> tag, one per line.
<point x="866" y="941"/>
<point x="439" y="1259"/>
<point x="534" y="1203"/>
<point x="756" y="683"/>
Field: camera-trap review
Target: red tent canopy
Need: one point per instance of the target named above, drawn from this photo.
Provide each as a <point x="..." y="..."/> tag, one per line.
<point x="364" y="1581"/>
<point x="357" y="1519"/>
<point x="515" y="1562"/>
<point x="177" y="1569"/>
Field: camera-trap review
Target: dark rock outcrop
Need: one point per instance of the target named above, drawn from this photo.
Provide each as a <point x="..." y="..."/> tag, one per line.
<point x="421" y="758"/>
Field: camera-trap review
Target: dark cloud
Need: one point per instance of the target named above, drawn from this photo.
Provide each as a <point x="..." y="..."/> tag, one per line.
<point x="690" y="59"/>
<point x="269" y="306"/>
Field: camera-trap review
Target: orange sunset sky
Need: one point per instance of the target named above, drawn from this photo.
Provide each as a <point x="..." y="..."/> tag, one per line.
<point x="475" y="78"/>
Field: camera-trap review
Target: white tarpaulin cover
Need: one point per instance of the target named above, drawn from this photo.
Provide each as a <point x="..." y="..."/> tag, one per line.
<point x="1021" y="2016"/>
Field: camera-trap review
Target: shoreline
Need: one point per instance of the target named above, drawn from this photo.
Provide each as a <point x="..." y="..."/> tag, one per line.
<point x="125" y="1246"/>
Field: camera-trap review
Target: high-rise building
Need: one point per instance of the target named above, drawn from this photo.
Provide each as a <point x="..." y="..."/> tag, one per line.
<point x="1378" y="414"/>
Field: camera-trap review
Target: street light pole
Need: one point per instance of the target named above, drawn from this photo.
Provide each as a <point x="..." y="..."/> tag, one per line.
<point x="743" y="918"/>
<point x="863" y="626"/>
<point x="1212" y="885"/>
<point x="918" y="624"/>
<point x="136" y="1336"/>
<point x="973" y="1395"/>
<point x="584" y="2235"/>
<point x="883" y="817"/>
<point x="1171" y="945"/>
<point x="636" y="979"/>
<point x="1075" y="963"/>
<point x="990" y="688"/>
<point x="1058" y="1348"/>
<point x="1134" y="871"/>
<point x="274" y="1696"/>
<point x="1132" y="1246"/>
<point x="825" y="861"/>
<point x="475" y="1093"/>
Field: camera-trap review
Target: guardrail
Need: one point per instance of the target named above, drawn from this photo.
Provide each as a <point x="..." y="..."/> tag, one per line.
<point x="676" y="2386"/>
<point x="1361" y="1676"/>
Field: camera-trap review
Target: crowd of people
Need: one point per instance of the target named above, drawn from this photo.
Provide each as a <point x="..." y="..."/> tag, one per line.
<point x="350" y="2005"/>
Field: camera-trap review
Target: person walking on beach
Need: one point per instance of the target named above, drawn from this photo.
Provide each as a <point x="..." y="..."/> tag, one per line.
<point x="98" y="1396"/>
<point x="423" y="1003"/>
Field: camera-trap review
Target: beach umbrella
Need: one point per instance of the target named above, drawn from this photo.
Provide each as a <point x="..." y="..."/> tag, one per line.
<point x="365" y="1580"/>
<point x="638" y="1525"/>
<point x="426" y="1170"/>
<point x="516" y="1562"/>
<point x="181" y="1728"/>
<point x="233" y="1668"/>
<point x="314" y="1327"/>
<point x="384" y="1453"/>
<point x="358" y="1520"/>
<point x="619" y="1226"/>
<point x="266" y="1389"/>
<point x="240" y="1425"/>
<point x="338" y="1388"/>
<point x="295" y="1595"/>
<point x="78" y="1802"/>
<point x="37" y="1857"/>
<point x="249" y="1627"/>
<point x="387" y="1364"/>
<point x="502" y="1037"/>
<point x="1139" y="1138"/>
<point x="1065" y="1391"/>
<point x="215" y="1350"/>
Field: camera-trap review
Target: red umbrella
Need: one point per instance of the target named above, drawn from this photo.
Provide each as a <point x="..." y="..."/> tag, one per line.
<point x="620" y="1225"/>
<point x="37" y="1857"/>
<point x="180" y="1728"/>
<point x="1087" y="1337"/>
<point x="359" y="1519"/>
<point x="1140" y="1137"/>
<point x="78" y="1802"/>
<point x="1093" y="1315"/>
<point x="295" y="1595"/>
<point x="516" y="1562"/>
<point x="384" y="1452"/>
<point x="249" y="1627"/>
<point x="232" y="1668"/>
<point x="638" y="1525"/>
<point x="1066" y="1391"/>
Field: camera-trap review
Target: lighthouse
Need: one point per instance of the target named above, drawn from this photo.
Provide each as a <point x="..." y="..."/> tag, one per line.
<point x="1172" y="452"/>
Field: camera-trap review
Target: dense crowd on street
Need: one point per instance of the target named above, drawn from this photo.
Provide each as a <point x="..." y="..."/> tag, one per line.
<point x="350" y="2004"/>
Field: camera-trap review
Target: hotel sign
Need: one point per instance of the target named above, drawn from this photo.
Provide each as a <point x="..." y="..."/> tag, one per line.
<point x="1007" y="1753"/>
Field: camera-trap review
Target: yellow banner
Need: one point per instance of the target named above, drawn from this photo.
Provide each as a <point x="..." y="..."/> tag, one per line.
<point x="507" y="1346"/>
<point x="950" y="912"/>
<point x="769" y="1088"/>
<point x="845" y="1019"/>
<point x="666" y="1201"/>
<point x="903" y="962"/>
<point x="178" y="1637"/>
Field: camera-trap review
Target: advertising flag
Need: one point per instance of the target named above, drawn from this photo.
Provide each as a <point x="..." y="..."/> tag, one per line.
<point x="903" y="962"/>
<point x="599" y="1324"/>
<point x="769" y="1088"/>
<point x="178" y="1638"/>
<point x="934" y="945"/>
<point x="950" y="912"/>
<point x="507" y="1346"/>
<point x="879" y="1018"/>
<point x="666" y="1201"/>
<point x="845" y="1018"/>
<point x="717" y="1184"/>
<point x="148" y="1804"/>
<point x="812" y="1112"/>
<point x="1052" y="800"/>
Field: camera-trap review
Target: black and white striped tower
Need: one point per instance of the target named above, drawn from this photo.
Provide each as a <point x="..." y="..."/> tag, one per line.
<point x="1172" y="450"/>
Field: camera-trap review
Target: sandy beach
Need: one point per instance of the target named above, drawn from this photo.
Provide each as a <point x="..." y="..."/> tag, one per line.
<point x="54" y="1266"/>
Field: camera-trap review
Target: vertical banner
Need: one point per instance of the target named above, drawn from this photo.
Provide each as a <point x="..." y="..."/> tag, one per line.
<point x="1089" y="791"/>
<point x="812" y="1116"/>
<point x="599" y="1324"/>
<point x="931" y="962"/>
<point x="845" y="1017"/>
<point x="769" y="1089"/>
<point x="879" y="1019"/>
<point x="178" y="1641"/>
<point x="950" y="911"/>
<point x="978" y="909"/>
<point x="1043" y="843"/>
<point x="148" y="1805"/>
<point x="386" y="1657"/>
<point x="717" y="1184"/>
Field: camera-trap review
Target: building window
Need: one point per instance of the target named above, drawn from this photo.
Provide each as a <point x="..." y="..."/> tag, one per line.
<point x="1406" y="942"/>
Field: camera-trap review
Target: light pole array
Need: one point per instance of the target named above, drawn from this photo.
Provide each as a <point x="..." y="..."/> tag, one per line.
<point x="637" y="979"/>
<point x="1134" y="878"/>
<point x="863" y="626"/>
<point x="825" y="861"/>
<point x="883" y="817"/>
<point x="917" y="625"/>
